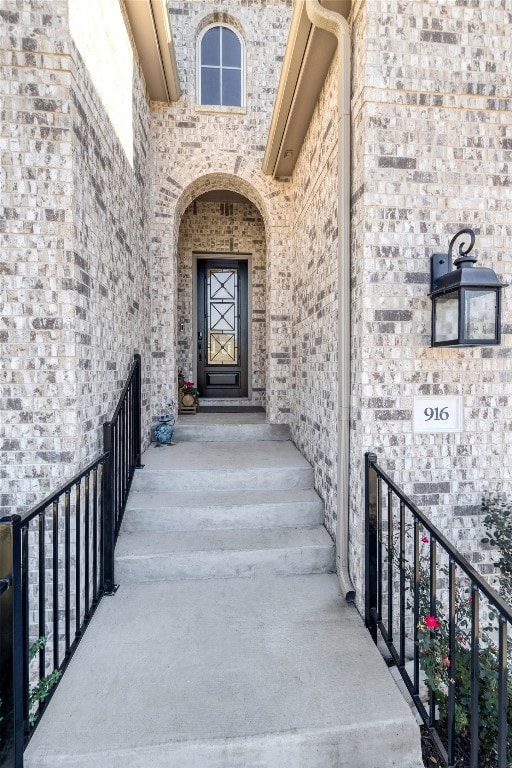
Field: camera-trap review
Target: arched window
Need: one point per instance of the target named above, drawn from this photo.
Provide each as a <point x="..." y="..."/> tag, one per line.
<point x="220" y="67"/>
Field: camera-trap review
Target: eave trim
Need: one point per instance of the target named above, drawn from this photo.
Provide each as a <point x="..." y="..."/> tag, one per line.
<point x="151" y="30"/>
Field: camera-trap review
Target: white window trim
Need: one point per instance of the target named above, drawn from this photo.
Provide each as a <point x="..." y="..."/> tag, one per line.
<point x="220" y="107"/>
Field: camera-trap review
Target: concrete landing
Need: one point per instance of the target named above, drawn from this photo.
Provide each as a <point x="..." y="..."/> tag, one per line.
<point x="228" y="644"/>
<point x="269" y="672"/>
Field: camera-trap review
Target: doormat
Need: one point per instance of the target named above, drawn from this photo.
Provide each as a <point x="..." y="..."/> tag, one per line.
<point x="230" y="409"/>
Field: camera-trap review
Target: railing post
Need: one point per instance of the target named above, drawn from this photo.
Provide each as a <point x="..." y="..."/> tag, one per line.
<point x="370" y="506"/>
<point x="108" y="510"/>
<point x="11" y="645"/>
<point x="137" y="436"/>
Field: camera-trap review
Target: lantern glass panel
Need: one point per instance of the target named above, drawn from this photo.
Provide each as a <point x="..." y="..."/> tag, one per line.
<point x="447" y="317"/>
<point x="479" y="314"/>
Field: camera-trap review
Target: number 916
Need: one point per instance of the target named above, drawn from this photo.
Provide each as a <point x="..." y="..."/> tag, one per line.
<point x="437" y="414"/>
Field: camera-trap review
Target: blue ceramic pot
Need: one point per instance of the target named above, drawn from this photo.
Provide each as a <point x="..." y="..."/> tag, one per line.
<point x="164" y="433"/>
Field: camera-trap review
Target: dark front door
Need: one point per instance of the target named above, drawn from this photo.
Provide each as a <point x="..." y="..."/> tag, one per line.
<point x="222" y="328"/>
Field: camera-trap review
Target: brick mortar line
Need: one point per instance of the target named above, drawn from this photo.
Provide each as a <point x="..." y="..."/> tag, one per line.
<point x="453" y="107"/>
<point x="319" y="178"/>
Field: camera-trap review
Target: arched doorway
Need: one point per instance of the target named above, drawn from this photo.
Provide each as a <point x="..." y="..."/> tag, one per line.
<point x="221" y="313"/>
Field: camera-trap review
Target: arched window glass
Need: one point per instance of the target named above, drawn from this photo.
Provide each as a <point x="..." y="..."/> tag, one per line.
<point x="220" y="67"/>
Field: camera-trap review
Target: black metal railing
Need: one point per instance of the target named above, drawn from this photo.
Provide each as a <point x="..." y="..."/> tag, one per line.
<point x="447" y="630"/>
<point x="122" y="443"/>
<point x="56" y="563"/>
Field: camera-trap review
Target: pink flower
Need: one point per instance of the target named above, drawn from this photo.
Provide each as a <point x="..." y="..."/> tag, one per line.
<point x="470" y="599"/>
<point x="424" y="539"/>
<point x="432" y="622"/>
<point x="447" y="661"/>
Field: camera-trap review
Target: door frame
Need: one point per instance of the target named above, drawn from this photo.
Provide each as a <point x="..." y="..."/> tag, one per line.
<point x="204" y="255"/>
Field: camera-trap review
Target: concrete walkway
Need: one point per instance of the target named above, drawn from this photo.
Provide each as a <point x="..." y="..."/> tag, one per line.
<point x="228" y="644"/>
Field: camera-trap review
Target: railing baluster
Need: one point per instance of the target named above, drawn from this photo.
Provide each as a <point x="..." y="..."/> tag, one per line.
<point x="370" y="545"/>
<point x="379" y="548"/>
<point x="137" y="383"/>
<point x="108" y="529"/>
<point x="67" y="569"/>
<point x="433" y="611"/>
<point x="78" y="560"/>
<point x="55" y="582"/>
<point x="402" y="583"/>
<point x="452" y="628"/>
<point x="94" y="535"/>
<point x="132" y="429"/>
<point x="26" y="621"/>
<point x="118" y="464"/>
<point x="391" y="545"/>
<point x="42" y="591"/>
<point x="416" y="604"/>
<point x="502" y="694"/>
<point x="87" y="543"/>
<point x="126" y="448"/>
<point x="475" y="674"/>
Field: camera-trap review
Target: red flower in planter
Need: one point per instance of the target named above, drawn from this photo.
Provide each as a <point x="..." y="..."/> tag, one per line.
<point x="432" y="622"/>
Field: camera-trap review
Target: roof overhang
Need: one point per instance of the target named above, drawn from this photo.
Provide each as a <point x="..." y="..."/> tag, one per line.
<point x="307" y="59"/>
<point x="151" y="29"/>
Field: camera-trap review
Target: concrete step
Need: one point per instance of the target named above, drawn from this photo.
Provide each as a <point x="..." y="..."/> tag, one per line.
<point x="223" y="554"/>
<point x="268" y="672"/>
<point x="200" y="510"/>
<point x="229" y="432"/>
<point x="190" y="466"/>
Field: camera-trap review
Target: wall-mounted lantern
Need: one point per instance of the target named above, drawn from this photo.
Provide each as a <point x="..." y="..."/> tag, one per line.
<point x="466" y="301"/>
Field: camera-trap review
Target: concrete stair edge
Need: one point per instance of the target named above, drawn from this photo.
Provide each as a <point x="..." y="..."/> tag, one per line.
<point x="206" y="479"/>
<point x="231" y="432"/>
<point x="391" y="742"/>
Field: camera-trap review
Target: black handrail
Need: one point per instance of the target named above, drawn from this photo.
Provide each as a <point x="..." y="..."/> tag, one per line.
<point x="74" y="529"/>
<point x="122" y="442"/>
<point x="398" y="574"/>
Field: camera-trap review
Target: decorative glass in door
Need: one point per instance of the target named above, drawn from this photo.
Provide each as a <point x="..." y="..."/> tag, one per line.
<point x="222" y="328"/>
<point x="223" y="319"/>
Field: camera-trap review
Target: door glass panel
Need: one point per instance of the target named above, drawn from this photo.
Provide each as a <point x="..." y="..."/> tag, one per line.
<point x="222" y="316"/>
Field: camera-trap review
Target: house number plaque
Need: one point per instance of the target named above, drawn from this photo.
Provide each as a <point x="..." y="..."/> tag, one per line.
<point x="437" y="414"/>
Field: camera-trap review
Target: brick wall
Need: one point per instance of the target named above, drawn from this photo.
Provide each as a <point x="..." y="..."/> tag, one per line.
<point x="314" y="270"/>
<point x="111" y="169"/>
<point x="75" y="237"/>
<point x="431" y="148"/>
<point x="232" y="228"/>
<point x="197" y="149"/>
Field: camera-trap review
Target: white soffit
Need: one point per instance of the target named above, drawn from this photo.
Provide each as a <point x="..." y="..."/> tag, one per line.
<point x="307" y="59"/>
<point x="151" y="29"/>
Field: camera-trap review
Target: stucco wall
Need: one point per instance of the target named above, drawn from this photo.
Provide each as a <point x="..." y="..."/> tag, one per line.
<point x="231" y="228"/>
<point x="75" y="271"/>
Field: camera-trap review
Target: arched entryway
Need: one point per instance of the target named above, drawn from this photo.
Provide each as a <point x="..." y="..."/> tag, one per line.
<point x="176" y="193"/>
<point x="221" y="299"/>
